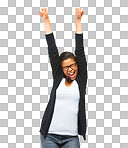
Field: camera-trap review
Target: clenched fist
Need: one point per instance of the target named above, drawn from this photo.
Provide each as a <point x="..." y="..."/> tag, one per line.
<point x="79" y="13"/>
<point x="44" y="13"/>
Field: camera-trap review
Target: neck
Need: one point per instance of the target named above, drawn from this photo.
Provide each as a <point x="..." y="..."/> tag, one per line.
<point x="68" y="80"/>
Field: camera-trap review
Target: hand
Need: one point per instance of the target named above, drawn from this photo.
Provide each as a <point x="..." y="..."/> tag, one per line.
<point x="79" y="13"/>
<point x="44" y="14"/>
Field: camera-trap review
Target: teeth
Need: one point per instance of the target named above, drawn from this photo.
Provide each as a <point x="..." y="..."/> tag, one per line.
<point x="71" y="73"/>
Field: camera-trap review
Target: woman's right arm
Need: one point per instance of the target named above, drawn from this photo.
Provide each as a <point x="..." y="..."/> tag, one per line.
<point x="79" y="52"/>
<point x="52" y="48"/>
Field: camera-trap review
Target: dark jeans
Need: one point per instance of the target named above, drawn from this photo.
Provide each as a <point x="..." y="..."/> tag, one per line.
<point x="59" y="141"/>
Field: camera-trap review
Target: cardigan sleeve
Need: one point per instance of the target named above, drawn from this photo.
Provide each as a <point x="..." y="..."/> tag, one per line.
<point x="80" y="56"/>
<point x="79" y="40"/>
<point x="52" y="52"/>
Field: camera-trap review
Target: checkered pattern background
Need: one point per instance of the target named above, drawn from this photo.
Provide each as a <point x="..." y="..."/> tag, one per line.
<point x="26" y="76"/>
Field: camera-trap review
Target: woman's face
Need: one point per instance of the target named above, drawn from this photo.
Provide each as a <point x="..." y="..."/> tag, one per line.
<point x="71" y="71"/>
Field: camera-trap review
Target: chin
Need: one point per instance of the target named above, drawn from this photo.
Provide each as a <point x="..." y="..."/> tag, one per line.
<point x="69" y="80"/>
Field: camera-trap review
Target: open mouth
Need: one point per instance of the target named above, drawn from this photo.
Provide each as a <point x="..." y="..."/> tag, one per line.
<point x="72" y="75"/>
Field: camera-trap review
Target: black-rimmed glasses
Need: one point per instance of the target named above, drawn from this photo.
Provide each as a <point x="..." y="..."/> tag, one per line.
<point x="72" y="66"/>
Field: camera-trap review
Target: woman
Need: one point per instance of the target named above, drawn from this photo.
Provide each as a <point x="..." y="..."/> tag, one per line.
<point x="65" y="117"/>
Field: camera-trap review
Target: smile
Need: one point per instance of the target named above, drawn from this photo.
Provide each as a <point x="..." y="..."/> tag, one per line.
<point x="71" y="75"/>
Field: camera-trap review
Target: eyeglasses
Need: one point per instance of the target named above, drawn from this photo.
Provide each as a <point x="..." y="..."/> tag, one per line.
<point x="72" y="66"/>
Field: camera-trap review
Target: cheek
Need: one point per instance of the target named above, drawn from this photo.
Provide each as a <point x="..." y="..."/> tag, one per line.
<point x="65" y="72"/>
<point x="76" y="69"/>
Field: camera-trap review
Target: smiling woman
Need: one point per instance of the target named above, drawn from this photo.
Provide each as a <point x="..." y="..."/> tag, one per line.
<point x="70" y="69"/>
<point x="69" y="66"/>
<point x="64" y="117"/>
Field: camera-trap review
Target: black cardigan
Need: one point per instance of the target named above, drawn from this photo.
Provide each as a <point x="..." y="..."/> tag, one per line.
<point x="57" y="77"/>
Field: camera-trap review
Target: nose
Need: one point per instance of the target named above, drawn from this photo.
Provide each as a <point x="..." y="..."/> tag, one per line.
<point x="69" y="69"/>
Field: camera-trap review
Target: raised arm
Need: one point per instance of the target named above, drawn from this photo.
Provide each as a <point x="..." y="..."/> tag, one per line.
<point x="52" y="49"/>
<point x="79" y="50"/>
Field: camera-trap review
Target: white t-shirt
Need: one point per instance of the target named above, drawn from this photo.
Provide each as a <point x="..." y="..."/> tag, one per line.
<point x="65" y="115"/>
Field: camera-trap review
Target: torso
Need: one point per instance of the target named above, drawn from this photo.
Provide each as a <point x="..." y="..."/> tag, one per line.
<point x="65" y="115"/>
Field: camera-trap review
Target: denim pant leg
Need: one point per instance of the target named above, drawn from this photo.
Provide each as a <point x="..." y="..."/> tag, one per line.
<point x="47" y="142"/>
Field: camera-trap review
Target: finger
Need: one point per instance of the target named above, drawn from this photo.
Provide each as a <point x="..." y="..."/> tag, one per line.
<point x="42" y="11"/>
<point x="46" y="10"/>
<point x="40" y="14"/>
<point x="83" y="12"/>
<point x="77" y="9"/>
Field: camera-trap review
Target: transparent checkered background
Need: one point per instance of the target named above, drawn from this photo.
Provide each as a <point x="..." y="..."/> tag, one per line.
<point x="26" y="76"/>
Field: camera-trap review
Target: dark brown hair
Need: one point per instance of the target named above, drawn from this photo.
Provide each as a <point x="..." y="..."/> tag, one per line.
<point x="66" y="55"/>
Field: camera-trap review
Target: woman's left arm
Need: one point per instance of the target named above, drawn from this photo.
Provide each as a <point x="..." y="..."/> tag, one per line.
<point x="79" y="50"/>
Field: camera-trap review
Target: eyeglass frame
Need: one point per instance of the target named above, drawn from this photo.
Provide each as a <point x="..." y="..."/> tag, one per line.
<point x="69" y="66"/>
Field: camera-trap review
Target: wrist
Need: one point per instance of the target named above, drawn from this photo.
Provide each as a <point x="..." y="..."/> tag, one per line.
<point x="78" y="27"/>
<point x="46" y="20"/>
<point x="77" y="18"/>
<point x="77" y="21"/>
